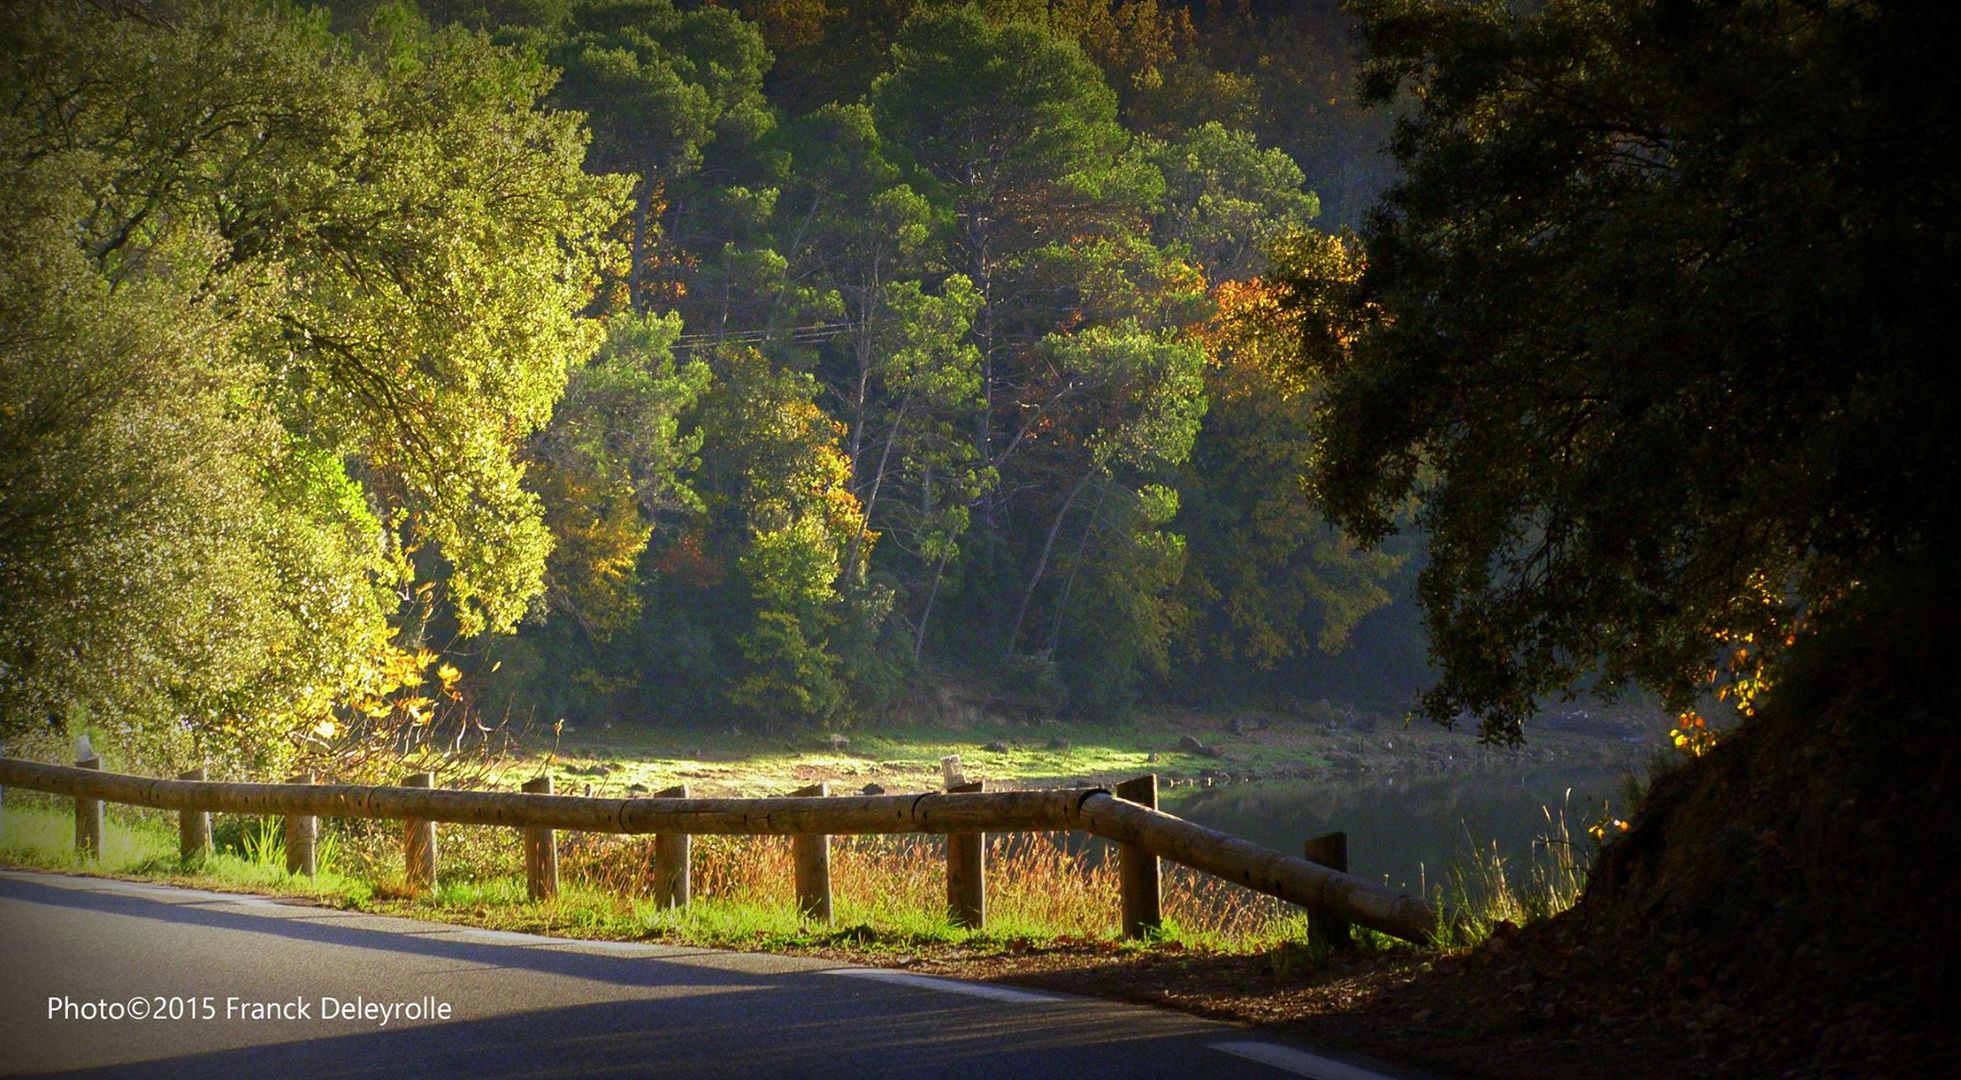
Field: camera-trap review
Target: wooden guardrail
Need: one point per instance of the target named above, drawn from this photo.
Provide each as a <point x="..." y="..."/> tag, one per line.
<point x="1129" y="817"/>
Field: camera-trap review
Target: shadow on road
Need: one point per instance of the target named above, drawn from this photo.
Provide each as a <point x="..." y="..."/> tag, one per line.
<point x="702" y="1012"/>
<point x="330" y="926"/>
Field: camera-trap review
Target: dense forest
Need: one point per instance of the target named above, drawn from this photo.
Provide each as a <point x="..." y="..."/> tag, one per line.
<point x="373" y="373"/>
<point x="380" y="370"/>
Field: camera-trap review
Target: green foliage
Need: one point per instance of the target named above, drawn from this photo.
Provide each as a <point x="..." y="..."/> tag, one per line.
<point x="1229" y="201"/>
<point x="278" y="312"/>
<point x="1649" y="330"/>
<point x="609" y="468"/>
<point x="993" y="111"/>
<point x="950" y="227"/>
<point x="660" y="82"/>
<point x="778" y="498"/>
<point x="1268" y="578"/>
<point x="1121" y="642"/>
<point x="1289" y="73"/>
<point x="1145" y="395"/>
<point x="332" y="358"/>
<point x="1017" y="132"/>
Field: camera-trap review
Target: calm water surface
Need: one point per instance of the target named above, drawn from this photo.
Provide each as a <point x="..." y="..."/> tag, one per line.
<point x="1407" y="832"/>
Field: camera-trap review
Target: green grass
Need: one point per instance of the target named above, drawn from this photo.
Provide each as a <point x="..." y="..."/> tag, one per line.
<point x="1488" y="889"/>
<point x="905" y="756"/>
<point x="897" y="757"/>
<point x="888" y="892"/>
<point x="40" y="833"/>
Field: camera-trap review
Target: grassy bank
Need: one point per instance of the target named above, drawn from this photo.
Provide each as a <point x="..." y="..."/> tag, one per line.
<point x="38" y="833"/>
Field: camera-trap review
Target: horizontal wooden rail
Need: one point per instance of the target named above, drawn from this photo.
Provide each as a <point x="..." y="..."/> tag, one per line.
<point x="1093" y="811"/>
<point x="1031" y="811"/>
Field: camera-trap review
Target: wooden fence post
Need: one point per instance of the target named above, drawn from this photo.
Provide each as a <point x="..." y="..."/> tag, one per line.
<point x="88" y="814"/>
<point x="302" y="836"/>
<point x="672" y="852"/>
<point x="1137" y="869"/>
<point x="966" y="870"/>
<point x="540" y="850"/>
<point x="812" y="853"/>
<point x="193" y="827"/>
<point x="1325" y="929"/>
<point x="419" y="840"/>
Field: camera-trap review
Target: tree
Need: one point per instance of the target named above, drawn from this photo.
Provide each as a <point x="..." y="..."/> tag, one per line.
<point x="1228" y="201"/>
<point x="660" y="84"/>
<point x="827" y="51"/>
<point x="1296" y="62"/>
<point x="616" y="443"/>
<point x="175" y="566"/>
<point x="1020" y="133"/>
<point x="780" y="509"/>
<point x="1649" y="330"/>
<point x="280" y="313"/>
<point x="1267" y="578"/>
<point x="1142" y="399"/>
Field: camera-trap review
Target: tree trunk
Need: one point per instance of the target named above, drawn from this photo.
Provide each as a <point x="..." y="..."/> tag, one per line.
<point x="878" y="479"/>
<point x="926" y="614"/>
<point x="643" y="210"/>
<point x="1042" y="564"/>
<point x="1075" y="567"/>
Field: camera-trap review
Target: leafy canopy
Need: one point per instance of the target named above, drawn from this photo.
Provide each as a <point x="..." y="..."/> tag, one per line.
<point x="279" y="313"/>
<point x="1648" y="329"/>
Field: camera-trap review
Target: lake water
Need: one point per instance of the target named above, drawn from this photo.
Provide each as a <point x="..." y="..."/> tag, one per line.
<point x="1406" y="832"/>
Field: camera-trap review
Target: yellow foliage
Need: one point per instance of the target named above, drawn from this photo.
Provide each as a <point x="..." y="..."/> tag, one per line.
<point x="1251" y="332"/>
<point x="1691" y="734"/>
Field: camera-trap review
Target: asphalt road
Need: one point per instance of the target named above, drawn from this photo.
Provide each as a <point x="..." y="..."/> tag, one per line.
<point x="244" y="986"/>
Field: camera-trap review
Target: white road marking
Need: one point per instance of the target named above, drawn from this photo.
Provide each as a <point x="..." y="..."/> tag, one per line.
<point x="507" y="937"/>
<point x="609" y="946"/>
<point x="1298" y="1062"/>
<point x="243" y="901"/>
<point x="512" y="937"/>
<point x="627" y="948"/>
<point x="946" y="986"/>
<point x="172" y="893"/>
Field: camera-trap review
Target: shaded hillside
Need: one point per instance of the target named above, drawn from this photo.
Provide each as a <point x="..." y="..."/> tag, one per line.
<point x="1782" y="905"/>
<point x="1796" y="886"/>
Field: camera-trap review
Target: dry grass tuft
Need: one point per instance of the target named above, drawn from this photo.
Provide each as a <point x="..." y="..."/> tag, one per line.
<point x="1041" y="885"/>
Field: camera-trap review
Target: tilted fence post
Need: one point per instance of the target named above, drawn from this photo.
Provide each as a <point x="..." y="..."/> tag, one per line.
<point x="672" y="852"/>
<point x="966" y="870"/>
<point x="419" y="840"/>
<point x="1137" y="869"/>
<point x="540" y="850"/>
<point x="193" y="827"/>
<point x="812" y="854"/>
<point x="302" y="836"/>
